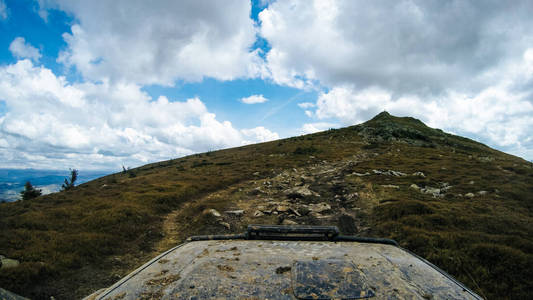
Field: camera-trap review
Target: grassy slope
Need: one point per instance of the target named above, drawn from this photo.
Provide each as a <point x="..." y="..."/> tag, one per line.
<point x="74" y="242"/>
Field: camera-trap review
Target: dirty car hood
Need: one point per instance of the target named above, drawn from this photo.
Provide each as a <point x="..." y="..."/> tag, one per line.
<point x="270" y="269"/>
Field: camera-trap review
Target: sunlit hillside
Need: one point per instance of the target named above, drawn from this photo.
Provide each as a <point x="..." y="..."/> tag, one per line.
<point x="463" y="206"/>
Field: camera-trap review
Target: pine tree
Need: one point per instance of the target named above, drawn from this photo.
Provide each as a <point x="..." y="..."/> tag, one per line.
<point x="29" y="192"/>
<point x="70" y="183"/>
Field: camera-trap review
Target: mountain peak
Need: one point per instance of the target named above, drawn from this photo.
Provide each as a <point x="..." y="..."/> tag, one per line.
<point x="385" y="127"/>
<point x="382" y="115"/>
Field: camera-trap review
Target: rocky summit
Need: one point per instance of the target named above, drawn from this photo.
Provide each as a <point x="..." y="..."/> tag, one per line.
<point x="461" y="205"/>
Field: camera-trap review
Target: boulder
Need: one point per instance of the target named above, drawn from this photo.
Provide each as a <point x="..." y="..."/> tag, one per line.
<point x="6" y="263"/>
<point x="213" y="212"/>
<point x="397" y="173"/>
<point x="294" y="212"/>
<point x="300" y="192"/>
<point x="419" y="174"/>
<point x="360" y="174"/>
<point x="390" y="186"/>
<point x="319" y="207"/>
<point x="226" y="225"/>
<point x="236" y="213"/>
<point x="469" y="195"/>
<point x="435" y="192"/>
<point x="414" y="187"/>
<point x="258" y="213"/>
<point x="351" y="197"/>
<point x="282" y="208"/>
<point x="288" y="222"/>
<point x="389" y="173"/>
<point x="481" y="193"/>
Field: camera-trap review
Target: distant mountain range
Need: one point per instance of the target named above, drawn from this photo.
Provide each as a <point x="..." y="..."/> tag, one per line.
<point x="49" y="181"/>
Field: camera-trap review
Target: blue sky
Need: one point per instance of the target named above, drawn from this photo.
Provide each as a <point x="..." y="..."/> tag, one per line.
<point x="99" y="84"/>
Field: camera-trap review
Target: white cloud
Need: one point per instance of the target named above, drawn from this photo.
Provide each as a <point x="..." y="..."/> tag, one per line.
<point x="20" y="49"/>
<point x="51" y="123"/>
<point x="306" y="105"/>
<point x="159" y="42"/>
<point x="253" y="99"/>
<point x="258" y="134"/>
<point x="422" y="47"/>
<point x="316" y="127"/>
<point x="3" y="10"/>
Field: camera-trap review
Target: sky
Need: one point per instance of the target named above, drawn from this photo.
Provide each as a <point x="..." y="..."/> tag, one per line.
<point x="96" y="85"/>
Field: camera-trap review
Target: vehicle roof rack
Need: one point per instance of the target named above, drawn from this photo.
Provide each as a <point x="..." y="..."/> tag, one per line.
<point x="294" y="233"/>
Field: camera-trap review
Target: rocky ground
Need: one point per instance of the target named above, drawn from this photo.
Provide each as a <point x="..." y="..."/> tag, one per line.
<point x="322" y="193"/>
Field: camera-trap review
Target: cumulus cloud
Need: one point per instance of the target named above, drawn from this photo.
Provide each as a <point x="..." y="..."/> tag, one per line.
<point x="306" y="105"/>
<point x="258" y="134"/>
<point x="316" y="127"/>
<point x="159" y="42"/>
<point x="20" y="49"/>
<point x="51" y="123"/>
<point x="3" y="10"/>
<point x="422" y="47"/>
<point x="254" y="99"/>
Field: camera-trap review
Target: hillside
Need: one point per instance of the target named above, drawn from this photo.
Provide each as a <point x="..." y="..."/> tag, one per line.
<point x="460" y="204"/>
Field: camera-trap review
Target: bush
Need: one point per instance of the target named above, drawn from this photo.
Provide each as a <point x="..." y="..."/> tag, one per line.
<point x="69" y="183"/>
<point x="30" y="192"/>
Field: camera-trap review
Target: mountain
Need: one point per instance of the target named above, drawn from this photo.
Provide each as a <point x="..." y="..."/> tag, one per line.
<point x="12" y="181"/>
<point x="458" y="203"/>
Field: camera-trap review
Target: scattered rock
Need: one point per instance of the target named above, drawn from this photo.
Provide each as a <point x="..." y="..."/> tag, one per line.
<point x="236" y="213"/>
<point x="351" y="197"/>
<point x="256" y="174"/>
<point x="390" y="186"/>
<point x="288" y="222"/>
<point x="6" y="263"/>
<point x="389" y="173"/>
<point x="295" y="212"/>
<point x="397" y="173"/>
<point x="213" y="212"/>
<point x="471" y="182"/>
<point x="485" y="158"/>
<point x="419" y="174"/>
<point x="469" y="195"/>
<point x="444" y="186"/>
<point x="319" y="208"/>
<point x="282" y="208"/>
<point x="360" y="174"/>
<point x="414" y="187"/>
<point x="300" y="192"/>
<point x="435" y="192"/>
